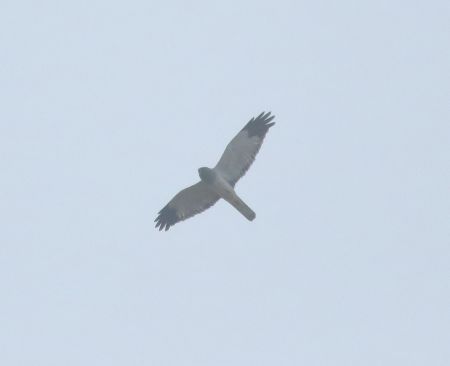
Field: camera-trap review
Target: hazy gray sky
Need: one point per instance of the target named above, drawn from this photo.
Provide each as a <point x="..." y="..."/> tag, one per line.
<point x="107" y="110"/>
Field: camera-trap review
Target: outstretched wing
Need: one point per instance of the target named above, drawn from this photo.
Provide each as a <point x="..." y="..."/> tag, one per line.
<point x="187" y="203"/>
<point x="241" y="151"/>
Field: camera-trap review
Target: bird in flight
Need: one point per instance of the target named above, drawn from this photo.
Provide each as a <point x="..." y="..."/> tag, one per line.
<point x="219" y="182"/>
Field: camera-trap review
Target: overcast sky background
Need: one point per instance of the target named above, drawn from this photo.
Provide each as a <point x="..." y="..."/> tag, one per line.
<point x="107" y="110"/>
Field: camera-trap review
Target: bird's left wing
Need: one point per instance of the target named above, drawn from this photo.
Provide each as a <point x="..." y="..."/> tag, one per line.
<point x="187" y="203"/>
<point x="241" y="151"/>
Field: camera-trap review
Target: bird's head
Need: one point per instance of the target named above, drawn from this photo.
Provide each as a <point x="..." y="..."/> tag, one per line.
<point x="207" y="175"/>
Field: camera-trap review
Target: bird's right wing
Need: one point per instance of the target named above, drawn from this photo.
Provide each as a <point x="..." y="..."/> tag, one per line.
<point x="187" y="203"/>
<point x="241" y="151"/>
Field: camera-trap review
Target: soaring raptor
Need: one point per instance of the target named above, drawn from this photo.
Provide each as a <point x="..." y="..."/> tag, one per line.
<point x="219" y="182"/>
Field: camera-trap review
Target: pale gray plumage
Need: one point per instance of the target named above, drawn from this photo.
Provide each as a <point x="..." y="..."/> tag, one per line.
<point x="219" y="182"/>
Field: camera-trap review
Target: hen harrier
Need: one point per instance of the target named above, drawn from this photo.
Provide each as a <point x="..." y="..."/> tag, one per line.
<point x="219" y="182"/>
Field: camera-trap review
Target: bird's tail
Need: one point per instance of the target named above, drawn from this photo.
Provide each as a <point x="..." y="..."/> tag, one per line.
<point x="242" y="208"/>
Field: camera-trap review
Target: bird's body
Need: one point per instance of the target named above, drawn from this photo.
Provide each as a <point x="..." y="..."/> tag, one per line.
<point x="219" y="181"/>
<point x="222" y="188"/>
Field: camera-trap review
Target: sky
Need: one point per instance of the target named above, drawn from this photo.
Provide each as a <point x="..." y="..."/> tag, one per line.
<point x="108" y="108"/>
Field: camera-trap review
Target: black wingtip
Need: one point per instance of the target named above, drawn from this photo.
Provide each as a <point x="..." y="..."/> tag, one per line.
<point x="260" y="125"/>
<point x="166" y="218"/>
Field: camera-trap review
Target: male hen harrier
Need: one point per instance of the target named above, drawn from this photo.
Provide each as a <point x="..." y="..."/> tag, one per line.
<point x="219" y="182"/>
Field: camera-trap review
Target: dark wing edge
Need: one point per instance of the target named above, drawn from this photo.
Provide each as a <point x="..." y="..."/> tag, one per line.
<point x="166" y="218"/>
<point x="170" y="215"/>
<point x="260" y="125"/>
